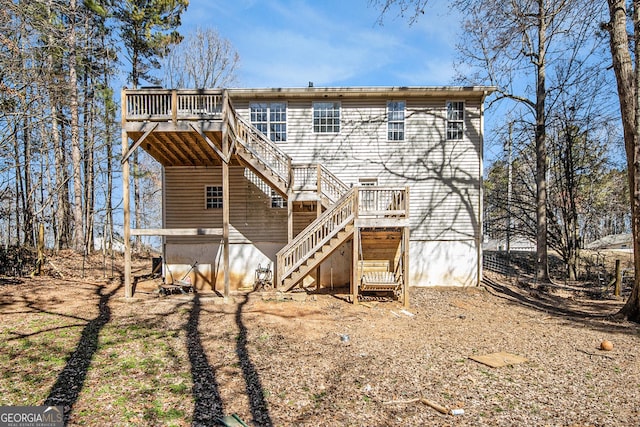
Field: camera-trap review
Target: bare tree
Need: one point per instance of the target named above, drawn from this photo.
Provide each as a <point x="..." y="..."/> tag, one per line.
<point x="202" y="60"/>
<point x="628" y="81"/>
<point x="148" y="31"/>
<point x="76" y="153"/>
<point x="514" y="46"/>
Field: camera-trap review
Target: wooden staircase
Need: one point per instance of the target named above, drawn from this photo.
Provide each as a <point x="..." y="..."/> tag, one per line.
<point x="258" y="153"/>
<point x="316" y="242"/>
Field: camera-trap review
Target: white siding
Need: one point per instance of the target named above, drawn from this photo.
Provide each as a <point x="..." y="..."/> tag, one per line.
<point x="443" y="176"/>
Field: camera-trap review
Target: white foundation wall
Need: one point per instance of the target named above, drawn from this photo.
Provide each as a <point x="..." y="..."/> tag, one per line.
<point x="432" y="263"/>
<point x="448" y="263"/>
<point x="244" y="259"/>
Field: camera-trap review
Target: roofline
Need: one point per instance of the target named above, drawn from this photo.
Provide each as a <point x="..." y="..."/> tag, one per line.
<point x="361" y="92"/>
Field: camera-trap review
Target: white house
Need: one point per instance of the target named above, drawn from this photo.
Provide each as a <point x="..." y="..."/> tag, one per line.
<point x="378" y="188"/>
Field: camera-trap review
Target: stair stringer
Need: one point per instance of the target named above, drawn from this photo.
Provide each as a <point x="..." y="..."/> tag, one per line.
<point x="293" y="259"/>
<point x="317" y="258"/>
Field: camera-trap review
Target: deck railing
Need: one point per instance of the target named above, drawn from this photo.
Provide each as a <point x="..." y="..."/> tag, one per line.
<point x="167" y="104"/>
<point x="307" y="176"/>
<point x="262" y="148"/>
<point x="382" y="202"/>
<point x="378" y="202"/>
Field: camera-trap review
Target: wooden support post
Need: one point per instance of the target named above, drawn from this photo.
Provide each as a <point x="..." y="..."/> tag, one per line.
<point x="355" y="277"/>
<point x="174" y="106"/>
<point x="319" y="190"/>
<point x="405" y="267"/>
<point x="405" y="261"/>
<point x="618" y="279"/>
<point x="290" y="202"/>
<point x="225" y="213"/>
<point x="128" y="291"/>
<point x="290" y="217"/>
<point x="318" y="212"/>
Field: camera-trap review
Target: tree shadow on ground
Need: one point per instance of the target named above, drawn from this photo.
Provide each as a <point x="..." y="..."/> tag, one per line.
<point x="208" y="407"/>
<point x="71" y="379"/>
<point x="10" y="281"/>
<point x="594" y="317"/>
<point x="255" y="392"/>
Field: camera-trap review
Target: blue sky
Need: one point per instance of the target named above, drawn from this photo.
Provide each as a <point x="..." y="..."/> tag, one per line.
<point x="288" y="43"/>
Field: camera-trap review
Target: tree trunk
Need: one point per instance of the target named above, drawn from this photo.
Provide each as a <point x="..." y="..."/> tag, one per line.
<point x="19" y="191"/>
<point x="627" y="79"/>
<point x="60" y="226"/>
<point x="89" y="162"/>
<point x="27" y="196"/>
<point x="542" y="265"/>
<point x="76" y="154"/>
<point x="60" y="233"/>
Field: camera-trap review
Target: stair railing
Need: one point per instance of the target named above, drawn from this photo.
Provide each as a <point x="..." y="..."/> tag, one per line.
<point x="262" y="148"/>
<point x="331" y="186"/>
<point x="315" y="177"/>
<point x="316" y="235"/>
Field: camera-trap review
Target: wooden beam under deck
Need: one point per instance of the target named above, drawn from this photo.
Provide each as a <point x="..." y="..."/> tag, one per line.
<point x="176" y="231"/>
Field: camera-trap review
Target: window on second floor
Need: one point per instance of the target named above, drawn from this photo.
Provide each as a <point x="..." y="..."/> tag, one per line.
<point x="455" y="119"/>
<point x="326" y="117"/>
<point x="213" y="197"/>
<point x="270" y="118"/>
<point x="395" y="120"/>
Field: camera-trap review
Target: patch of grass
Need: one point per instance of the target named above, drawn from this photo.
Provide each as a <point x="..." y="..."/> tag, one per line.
<point x="128" y="363"/>
<point x="319" y="396"/>
<point x="156" y="412"/>
<point x="180" y="388"/>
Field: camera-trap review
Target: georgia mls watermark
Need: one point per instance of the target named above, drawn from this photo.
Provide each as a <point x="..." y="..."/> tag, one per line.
<point x="31" y="416"/>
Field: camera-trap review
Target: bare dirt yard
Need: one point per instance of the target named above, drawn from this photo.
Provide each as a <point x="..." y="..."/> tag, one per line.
<point x="312" y="359"/>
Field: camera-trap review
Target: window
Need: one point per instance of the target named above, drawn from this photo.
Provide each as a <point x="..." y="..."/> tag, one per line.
<point x="276" y="200"/>
<point x="455" y="120"/>
<point x="395" y="120"/>
<point x="326" y="117"/>
<point x="213" y="197"/>
<point x="270" y="118"/>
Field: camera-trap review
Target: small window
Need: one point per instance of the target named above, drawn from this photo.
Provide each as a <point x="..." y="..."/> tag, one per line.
<point x="213" y="197"/>
<point x="326" y="117"/>
<point x="455" y="120"/>
<point x="270" y="118"/>
<point x="277" y="201"/>
<point x="368" y="182"/>
<point x="395" y="120"/>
